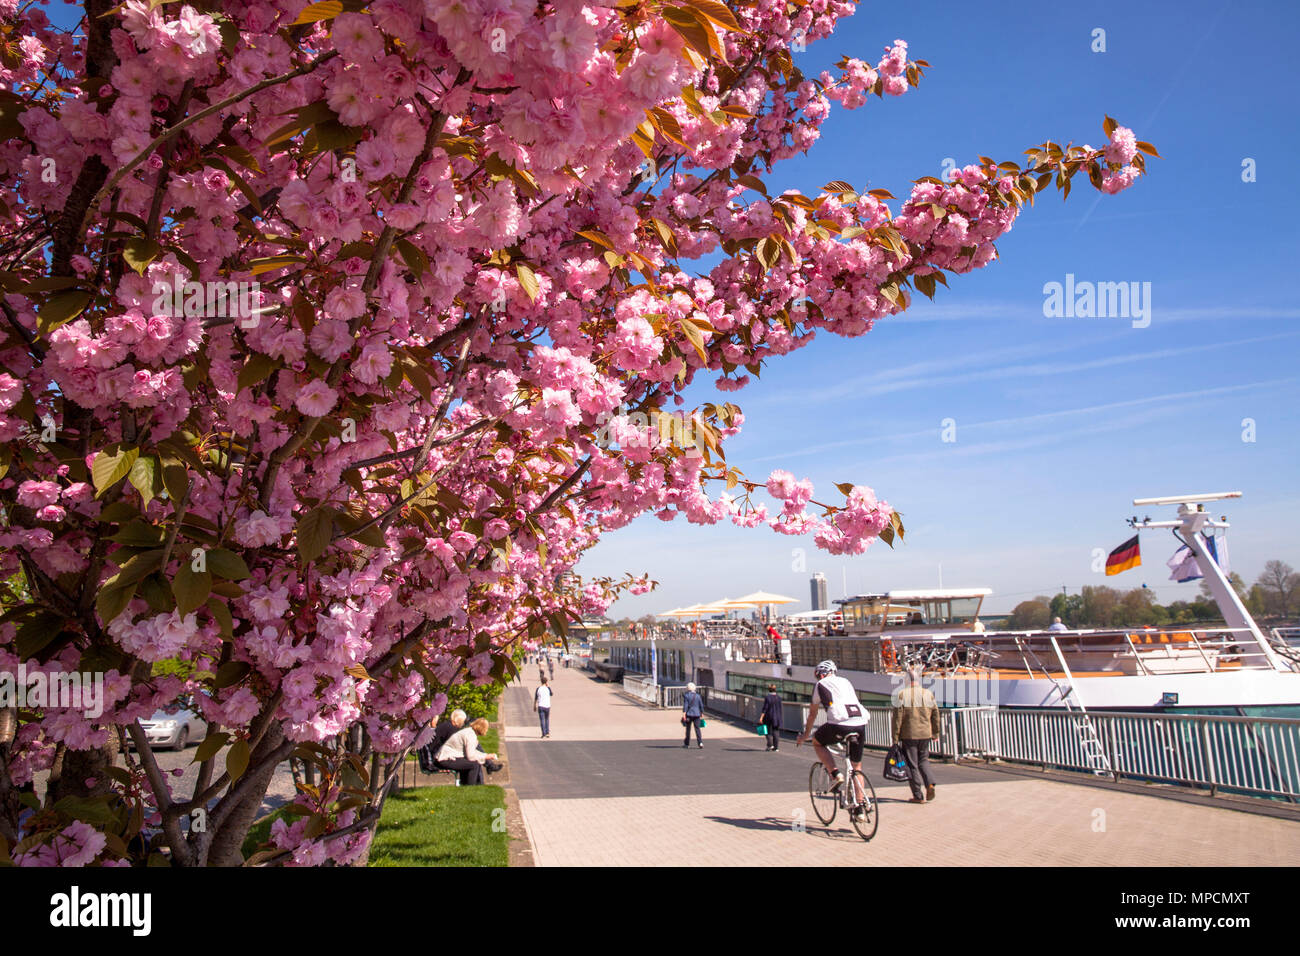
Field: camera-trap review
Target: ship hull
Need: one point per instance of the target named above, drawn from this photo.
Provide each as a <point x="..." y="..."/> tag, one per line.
<point x="1109" y="691"/>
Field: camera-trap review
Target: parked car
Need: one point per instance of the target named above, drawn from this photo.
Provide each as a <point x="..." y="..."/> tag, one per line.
<point x="177" y="725"/>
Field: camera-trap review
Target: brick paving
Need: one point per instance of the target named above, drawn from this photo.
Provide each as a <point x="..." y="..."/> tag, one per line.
<point x="613" y="787"/>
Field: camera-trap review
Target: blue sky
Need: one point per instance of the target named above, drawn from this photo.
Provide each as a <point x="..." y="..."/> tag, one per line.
<point x="1060" y="422"/>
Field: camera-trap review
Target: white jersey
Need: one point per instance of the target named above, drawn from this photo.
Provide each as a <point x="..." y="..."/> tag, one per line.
<point x="840" y="701"/>
<point x="543" y="696"/>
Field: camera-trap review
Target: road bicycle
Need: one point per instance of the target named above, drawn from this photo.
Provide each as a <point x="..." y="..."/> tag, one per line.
<point x="858" y="796"/>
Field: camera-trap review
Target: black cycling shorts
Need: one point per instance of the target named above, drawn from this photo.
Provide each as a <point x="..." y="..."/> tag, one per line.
<point x="828" y="734"/>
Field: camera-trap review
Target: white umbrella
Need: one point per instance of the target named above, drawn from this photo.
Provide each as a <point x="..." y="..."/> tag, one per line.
<point x="762" y="599"/>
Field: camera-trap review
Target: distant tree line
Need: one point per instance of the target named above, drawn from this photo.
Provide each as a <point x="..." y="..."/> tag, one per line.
<point x="1275" y="594"/>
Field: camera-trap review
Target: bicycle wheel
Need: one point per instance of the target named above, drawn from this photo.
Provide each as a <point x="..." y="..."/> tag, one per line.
<point x="824" y="802"/>
<point x="868" y="819"/>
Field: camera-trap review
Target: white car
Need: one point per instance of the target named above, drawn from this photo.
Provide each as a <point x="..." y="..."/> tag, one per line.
<point x="176" y="726"/>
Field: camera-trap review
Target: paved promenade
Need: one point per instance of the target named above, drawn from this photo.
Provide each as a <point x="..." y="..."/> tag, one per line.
<point x="613" y="786"/>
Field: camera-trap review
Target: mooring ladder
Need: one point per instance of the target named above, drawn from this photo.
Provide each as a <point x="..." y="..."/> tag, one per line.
<point x="1094" y="751"/>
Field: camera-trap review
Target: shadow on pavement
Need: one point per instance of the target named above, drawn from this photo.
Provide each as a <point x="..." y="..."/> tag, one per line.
<point x="776" y="823"/>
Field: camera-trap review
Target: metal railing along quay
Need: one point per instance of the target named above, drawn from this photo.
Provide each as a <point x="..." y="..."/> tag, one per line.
<point x="1259" y="756"/>
<point x="1255" y="756"/>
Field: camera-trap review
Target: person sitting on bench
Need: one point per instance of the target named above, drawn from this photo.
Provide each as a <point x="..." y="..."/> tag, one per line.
<point x="462" y="753"/>
<point x="441" y="734"/>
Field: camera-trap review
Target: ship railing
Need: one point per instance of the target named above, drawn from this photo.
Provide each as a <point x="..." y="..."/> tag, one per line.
<point x="671" y="695"/>
<point x="1286" y="642"/>
<point x="641" y="687"/>
<point x="747" y="649"/>
<point x="1148" y="651"/>
<point x="1255" y="756"/>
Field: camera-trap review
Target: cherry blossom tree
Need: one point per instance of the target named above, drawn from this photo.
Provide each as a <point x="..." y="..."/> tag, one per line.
<point x="334" y="333"/>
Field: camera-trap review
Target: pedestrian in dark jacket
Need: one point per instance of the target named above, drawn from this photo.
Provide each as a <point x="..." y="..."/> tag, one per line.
<point x="771" y="717"/>
<point x="692" y="713"/>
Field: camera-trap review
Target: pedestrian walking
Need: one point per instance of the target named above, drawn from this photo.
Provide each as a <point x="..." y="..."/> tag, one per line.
<point x="692" y="714"/>
<point x="542" y="704"/>
<point x="771" y="717"/>
<point x="550" y="665"/>
<point x="915" y="724"/>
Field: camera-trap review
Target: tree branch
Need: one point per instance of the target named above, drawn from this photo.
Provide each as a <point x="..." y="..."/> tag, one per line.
<point x="126" y="169"/>
<point x="181" y="850"/>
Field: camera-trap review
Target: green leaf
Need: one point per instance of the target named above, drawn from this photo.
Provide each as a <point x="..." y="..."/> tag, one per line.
<point x="332" y="135"/>
<point x="270" y="263"/>
<point x="176" y="479"/>
<point x="415" y="258"/>
<point x="225" y="563"/>
<point x="143" y="475"/>
<point x="191" y="588"/>
<point x="230" y="673"/>
<point x="528" y="281"/>
<point x="211" y="744"/>
<point x="139" y="534"/>
<point x="158" y="594"/>
<point x="696" y="338"/>
<point x="60" y="309"/>
<point x="256" y="369"/>
<point x="240" y="155"/>
<point x="118" y="512"/>
<point x="373" y="536"/>
<point x="86" y="809"/>
<point x="315" y="529"/>
<point x="110" y="468"/>
<point x="139" y="252"/>
<point x="237" y="759"/>
<point x="136" y="568"/>
<point x="315" y="12"/>
<point x="598" y="237"/>
<point x="221" y="613"/>
<point x="34" y="633"/>
<point x="110" y="602"/>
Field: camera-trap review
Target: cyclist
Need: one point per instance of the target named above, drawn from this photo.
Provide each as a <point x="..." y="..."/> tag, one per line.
<point x="844" y="715"/>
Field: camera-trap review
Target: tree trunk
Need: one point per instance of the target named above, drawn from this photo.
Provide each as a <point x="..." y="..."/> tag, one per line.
<point x="226" y="846"/>
<point x="72" y="768"/>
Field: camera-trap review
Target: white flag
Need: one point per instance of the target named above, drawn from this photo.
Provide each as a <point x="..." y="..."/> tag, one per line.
<point x="1183" y="565"/>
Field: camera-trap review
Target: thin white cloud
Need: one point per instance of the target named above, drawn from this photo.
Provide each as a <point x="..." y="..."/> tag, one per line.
<point x="1030" y="309"/>
<point x="867" y="386"/>
<point x="1170" y="399"/>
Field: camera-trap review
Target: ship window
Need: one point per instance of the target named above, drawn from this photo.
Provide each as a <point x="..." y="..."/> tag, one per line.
<point x="964" y="610"/>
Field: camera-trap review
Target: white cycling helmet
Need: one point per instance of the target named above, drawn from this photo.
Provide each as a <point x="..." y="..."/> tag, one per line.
<point x="824" y="668"/>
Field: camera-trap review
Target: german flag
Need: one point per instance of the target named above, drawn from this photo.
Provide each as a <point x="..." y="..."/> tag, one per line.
<point x="1127" y="555"/>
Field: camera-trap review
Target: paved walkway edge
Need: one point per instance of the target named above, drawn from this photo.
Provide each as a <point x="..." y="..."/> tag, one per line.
<point x="521" y="841"/>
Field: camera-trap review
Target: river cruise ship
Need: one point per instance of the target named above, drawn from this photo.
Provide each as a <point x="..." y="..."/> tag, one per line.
<point x="1236" y="668"/>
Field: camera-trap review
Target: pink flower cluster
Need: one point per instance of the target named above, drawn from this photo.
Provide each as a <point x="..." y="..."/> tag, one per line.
<point x="469" y="224"/>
